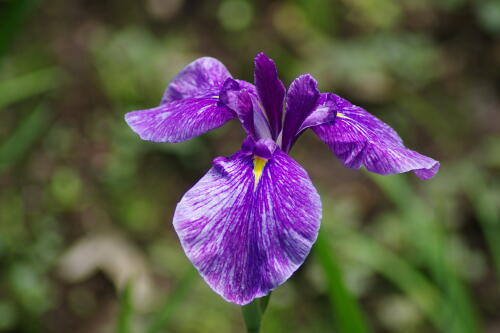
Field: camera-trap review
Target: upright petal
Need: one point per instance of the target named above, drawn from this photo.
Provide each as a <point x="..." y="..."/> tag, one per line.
<point x="271" y="91"/>
<point x="204" y="76"/>
<point x="359" y="138"/>
<point x="249" y="223"/>
<point x="301" y="100"/>
<point x="179" y="120"/>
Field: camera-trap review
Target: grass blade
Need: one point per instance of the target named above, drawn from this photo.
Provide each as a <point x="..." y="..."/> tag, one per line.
<point x="486" y="207"/>
<point x="30" y="129"/>
<point x="160" y="321"/>
<point x="125" y="310"/>
<point x="28" y="85"/>
<point x="429" y="238"/>
<point x="415" y="285"/>
<point x="12" y="19"/>
<point x="344" y="306"/>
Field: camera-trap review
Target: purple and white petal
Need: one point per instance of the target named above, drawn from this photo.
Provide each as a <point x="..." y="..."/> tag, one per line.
<point x="358" y="138"/>
<point x="179" y="120"/>
<point x="271" y="91"/>
<point x="249" y="223"/>
<point x="204" y="76"/>
<point x="301" y="100"/>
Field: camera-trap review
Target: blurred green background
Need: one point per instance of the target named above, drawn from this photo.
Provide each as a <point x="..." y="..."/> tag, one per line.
<point x="86" y="242"/>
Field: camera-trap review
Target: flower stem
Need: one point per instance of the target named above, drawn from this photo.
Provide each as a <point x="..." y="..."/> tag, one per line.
<point x="253" y="313"/>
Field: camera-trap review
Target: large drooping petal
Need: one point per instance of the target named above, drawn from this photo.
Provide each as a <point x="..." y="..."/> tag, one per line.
<point x="204" y="76"/>
<point x="271" y="91"/>
<point x="359" y="138"/>
<point x="249" y="223"/>
<point x="302" y="98"/>
<point x="179" y="120"/>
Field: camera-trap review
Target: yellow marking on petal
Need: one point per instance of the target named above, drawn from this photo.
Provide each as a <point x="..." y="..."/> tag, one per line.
<point x="340" y="115"/>
<point x="258" y="167"/>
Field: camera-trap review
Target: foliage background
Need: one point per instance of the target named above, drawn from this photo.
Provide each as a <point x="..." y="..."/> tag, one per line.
<point x="86" y="243"/>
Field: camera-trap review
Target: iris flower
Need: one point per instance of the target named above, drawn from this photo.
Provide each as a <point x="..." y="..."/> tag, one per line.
<point x="250" y="222"/>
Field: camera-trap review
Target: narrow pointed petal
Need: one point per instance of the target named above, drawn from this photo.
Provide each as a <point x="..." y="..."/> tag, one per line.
<point x="248" y="224"/>
<point x="358" y="138"/>
<point x="261" y="125"/>
<point x="271" y="91"/>
<point x="301" y="100"/>
<point x="204" y="76"/>
<point x="179" y="120"/>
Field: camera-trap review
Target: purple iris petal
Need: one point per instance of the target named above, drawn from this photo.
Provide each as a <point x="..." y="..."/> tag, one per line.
<point x="179" y="120"/>
<point x="359" y="138"/>
<point x="271" y="91"/>
<point x="265" y="148"/>
<point x="191" y="105"/>
<point x="246" y="105"/>
<point x="204" y="76"/>
<point x="248" y="224"/>
<point x="248" y="145"/>
<point x="247" y="86"/>
<point x="325" y="112"/>
<point x="301" y="100"/>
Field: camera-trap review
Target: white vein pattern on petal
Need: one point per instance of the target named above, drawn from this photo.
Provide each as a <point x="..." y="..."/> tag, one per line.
<point x="246" y="242"/>
<point x="179" y="120"/>
<point x="357" y="138"/>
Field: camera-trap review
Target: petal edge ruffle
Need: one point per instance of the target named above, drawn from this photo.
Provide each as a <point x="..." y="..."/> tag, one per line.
<point x="204" y="76"/>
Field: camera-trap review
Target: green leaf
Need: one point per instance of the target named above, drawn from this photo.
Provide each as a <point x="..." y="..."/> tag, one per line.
<point x="28" y="85"/>
<point x="30" y="129"/>
<point x="126" y="310"/>
<point x="161" y="319"/>
<point x="346" y="311"/>
<point x="395" y="269"/>
<point x="428" y="238"/>
<point x="12" y="19"/>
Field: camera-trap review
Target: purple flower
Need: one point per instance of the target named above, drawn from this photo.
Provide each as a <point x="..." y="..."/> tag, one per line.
<point x="250" y="222"/>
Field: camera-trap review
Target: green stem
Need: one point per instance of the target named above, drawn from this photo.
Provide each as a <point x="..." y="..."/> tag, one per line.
<point x="126" y="310"/>
<point x="253" y="313"/>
